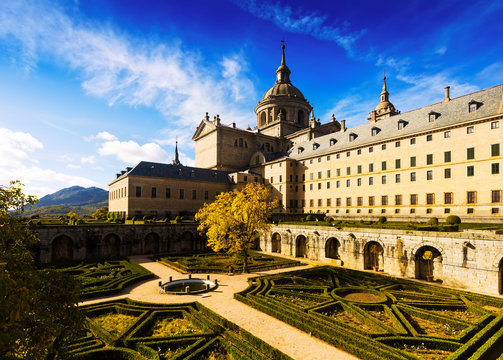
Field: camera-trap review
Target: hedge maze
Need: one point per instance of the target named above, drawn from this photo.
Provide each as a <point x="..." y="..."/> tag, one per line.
<point x="101" y="278"/>
<point x="376" y="317"/>
<point x="223" y="263"/>
<point x="126" y="329"/>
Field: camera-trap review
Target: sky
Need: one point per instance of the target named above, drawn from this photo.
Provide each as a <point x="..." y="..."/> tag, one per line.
<point x="88" y="87"/>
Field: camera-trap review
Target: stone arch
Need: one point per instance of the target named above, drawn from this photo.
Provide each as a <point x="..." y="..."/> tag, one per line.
<point x="110" y="245"/>
<point x="151" y="243"/>
<point x="332" y="246"/>
<point x="187" y="241"/>
<point x="62" y="248"/>
<point x="301" y="246"/>
<point x="425" y="267"/>
<point x="373" y="255"/>
<point x="263" y="118"/>
<point x="276" y="243"/>
<point x="300" y="117"/>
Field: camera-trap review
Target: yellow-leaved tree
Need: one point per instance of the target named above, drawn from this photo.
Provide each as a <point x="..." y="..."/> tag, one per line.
<point x="232" y="221"/>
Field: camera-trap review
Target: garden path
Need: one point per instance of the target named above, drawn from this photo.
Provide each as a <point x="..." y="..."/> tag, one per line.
<point x="291" y="341"/>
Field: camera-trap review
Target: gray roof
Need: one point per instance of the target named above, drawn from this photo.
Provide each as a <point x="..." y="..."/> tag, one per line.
<point x="416" y="121"/>
<point x="171" y="171"/>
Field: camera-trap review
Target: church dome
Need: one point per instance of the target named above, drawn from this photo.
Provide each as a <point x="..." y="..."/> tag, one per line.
<point x="283" y="89"/>
<point x="383" y="105"/>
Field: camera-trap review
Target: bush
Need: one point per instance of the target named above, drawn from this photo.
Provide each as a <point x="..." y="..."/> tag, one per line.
<point x="453" y="220"/>
<point x="382" y="219"/>
<point x="328" y="219"/>
<point x="309" y="218"/>
<point x="433" y="221"/>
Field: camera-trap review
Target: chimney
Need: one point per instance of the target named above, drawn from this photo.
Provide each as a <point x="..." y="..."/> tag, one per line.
<point x="343" y="125"/>
<point x="447" y="97"/>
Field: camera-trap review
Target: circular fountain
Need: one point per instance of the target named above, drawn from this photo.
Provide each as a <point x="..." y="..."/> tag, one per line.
<point x="188" y="286"/>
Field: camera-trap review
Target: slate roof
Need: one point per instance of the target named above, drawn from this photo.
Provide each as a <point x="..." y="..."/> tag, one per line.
<point x="171" y="171"/>
<point x="416" y="121"/>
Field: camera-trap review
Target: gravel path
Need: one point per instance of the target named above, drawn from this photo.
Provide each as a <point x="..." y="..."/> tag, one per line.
<point x="282" y="336"/>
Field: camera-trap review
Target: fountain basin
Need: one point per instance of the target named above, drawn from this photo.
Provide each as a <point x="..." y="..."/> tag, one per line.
<point x="196" y="286"/>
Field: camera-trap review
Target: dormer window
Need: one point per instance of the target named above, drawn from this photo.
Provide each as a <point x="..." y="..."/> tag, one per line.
<point x="315" y="146"/>
<point x="300" y="150"/>
<point x="432" y="116"/>
<point x="402" y="124"/>
<point x="374" y="131"/>
<point x="352" y="136"/>
<point x="333" y="141"/>
<point x="473" y="106"/>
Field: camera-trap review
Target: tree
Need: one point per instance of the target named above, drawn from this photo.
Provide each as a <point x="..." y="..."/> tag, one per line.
<point x="72" y="215"/>
<point x="38" y="308"/>
<point x="101" y="213"/>
<point x="232" y="221"/>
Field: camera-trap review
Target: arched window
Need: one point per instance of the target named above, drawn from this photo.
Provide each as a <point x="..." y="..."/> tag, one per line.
<point x="300" y="117"/>
<point x="263" y="118"/>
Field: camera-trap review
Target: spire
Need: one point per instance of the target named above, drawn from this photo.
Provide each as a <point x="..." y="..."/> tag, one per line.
<point x="283" y="72"/>
<point x="384" y="93"/>
<point x="384" y="109"/>
<point x="177" y="160"/>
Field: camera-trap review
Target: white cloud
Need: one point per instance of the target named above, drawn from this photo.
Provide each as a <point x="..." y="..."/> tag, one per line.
<point x="122" y="69"/>
<point x="441" y="50"/>
<point x="493" y="73"/>
<point x="73" y="166"/>
<point x="16" y="146"/>
<point x="88" y="159"/>
<point x="131" y="152"/>
<point x="65" y="158"/>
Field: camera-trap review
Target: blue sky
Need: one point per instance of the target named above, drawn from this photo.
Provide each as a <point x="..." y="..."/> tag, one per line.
<point x="89" y="87"/>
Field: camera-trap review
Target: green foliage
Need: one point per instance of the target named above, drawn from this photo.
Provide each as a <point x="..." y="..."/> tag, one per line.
<point x="382" y="219"/>
<point x="101" y="213"/>
<point x="433" y="221"/>
<point x="309" y="218"/>
<point x="328" y="219"/>
<point x="453" y="220"/>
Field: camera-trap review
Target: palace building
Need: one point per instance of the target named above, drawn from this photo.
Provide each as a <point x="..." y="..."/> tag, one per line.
<point x="438" y="160"/>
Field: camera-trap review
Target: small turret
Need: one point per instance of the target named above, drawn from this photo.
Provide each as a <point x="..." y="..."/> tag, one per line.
<point x="176" y="161"/>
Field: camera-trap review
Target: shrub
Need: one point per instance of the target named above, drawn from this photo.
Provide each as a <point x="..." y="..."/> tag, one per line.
<point x="453" y="220"/>
<point x="433" y="221"/>
<point x="382" y="219"/>
<point x="309" y="218"/>
<point x="328" y="219"/>
<point x="178" y="220"/>
<point x="34" y="216"/>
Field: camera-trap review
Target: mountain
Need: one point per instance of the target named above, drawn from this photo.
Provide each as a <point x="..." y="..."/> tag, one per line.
<point x="83" y="201"/>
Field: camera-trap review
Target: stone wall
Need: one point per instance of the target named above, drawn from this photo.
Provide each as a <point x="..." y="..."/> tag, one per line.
<point x="66" y="243"/>
<point x="467" y="260"/>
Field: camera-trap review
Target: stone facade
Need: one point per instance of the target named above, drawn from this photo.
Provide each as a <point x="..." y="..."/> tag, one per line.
<point x="468" y="260"/>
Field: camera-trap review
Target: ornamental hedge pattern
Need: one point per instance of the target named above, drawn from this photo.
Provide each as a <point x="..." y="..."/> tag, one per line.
<point x="223" y="263"/>
<point x="377" y="317"/>
<point x="101" y="278"/>
<point x="205" y="334"/>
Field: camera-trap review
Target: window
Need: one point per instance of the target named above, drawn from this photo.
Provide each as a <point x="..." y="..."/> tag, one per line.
<point x="315" y="146"/>
<point x="413" y="199"/>
<point x="319" y="186"/>
<point x="337" y="184"/>
<point x="429" y="175"/>
<point x="495" y="150"/>
<point x="447" y="211"/>
<point x="319" y="174"/>
<point x="371" y="167"/>
<point x="348" y="201"/>
<point x="397" y="164"/>
<point x="182" y="193"/>
<point x="348" y="170"/>
<point x="319" y="160"/>
<point x="383" y="165"/>
<point x="371" y="149"/>
<point x="447" y="134"/>
<point x="412" y="141"/>
<point x="352" y="136"/>
<point x="240" y="142"/>
<point x="495" y="124"/>
<point x="430" y="199"/>
<point x="332" y="142"/>
<point x="138" y="191"/>
<point x="328" y="184"/>
<point x="401" y="124"/>
<point x="337" y="156"/>
<point x="470" y="129"/>
<point x="429" y="211"/>
<point x="448" y="198"/>
<point x="371" y="180"/>
<point x="194" y="194"/>
<point x="412" y="161"/>
<point x="384" y="200"/>
<point x="338" y="172"/>
<point x="246" y="178"/>
<point x="291" y="178"/>
<point x="397" y="143"/>
<point x="413" y="176"/>
<point x="359" y="169"/>
<point x="359" y="152"/>
<point x="311" y="203"/>
<point x="496" y="196"/>
<point x="495" y="168"/>
<point x="469" y="211"/>
<point x="310" y="186"/>
<point x="359" y="182"/>
<point x="397" y="178"/>
<point x="348" y="154"/>
<point x="471" y="197"/>
<point x="374" y="131"/>
<point x="429" y="159"/>
<point x="432" y="117"/>
<point x="470" y="170"/>
<point x="371" y="201"/>
<point x="383" y="147"/>
<point x="429" y="137"/>
<point x="348" y="183"/>
<point x="310" y="161"/>
<point x="412" y="211"/>
<point x="154" y="192"/>
<point x="447" y="156"/>
<point x="470" y="153"/>
<point x="383" y="179"/>
<point x="398" y="199"/>
<point x="206" y="195"/>
<point x="338" y="202"/>
<point x="495" y="210"/>
<point x="168" y="193"/>
<point x="447" y="173"/>
<point x="299" y="150"/>
<point x="328" y="159"/>
<point x="328" y="173"/>
<point x="320" y="202"/>
<point x="359" y="201"/>
<point x="472" y="106"/>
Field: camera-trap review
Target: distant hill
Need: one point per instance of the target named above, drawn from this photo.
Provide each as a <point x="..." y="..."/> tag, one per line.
<point x="83" y="201"/>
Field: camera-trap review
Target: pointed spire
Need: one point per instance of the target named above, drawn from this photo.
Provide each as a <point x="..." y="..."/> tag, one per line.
<point x="177" y="159"/>
<point x="384" y="84"/>
<point x="283" y="72"/>
<point x="283" y="56"/>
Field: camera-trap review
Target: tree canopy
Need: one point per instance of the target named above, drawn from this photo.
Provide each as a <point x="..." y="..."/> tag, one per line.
<point x="232" y="221"/>
<point x="38" y="308"/>
<point x="101" y="213"/>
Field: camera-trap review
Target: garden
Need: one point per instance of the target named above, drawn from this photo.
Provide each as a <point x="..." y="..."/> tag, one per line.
<point x="377" y="317"/>
<point x="105" y="277"/>
<point x="224" y="263"/>
<point x="126" y="329"/>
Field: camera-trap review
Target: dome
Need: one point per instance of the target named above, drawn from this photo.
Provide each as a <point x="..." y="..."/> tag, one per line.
<point x="283" y="89"/>
<point x="383" y="105"/>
